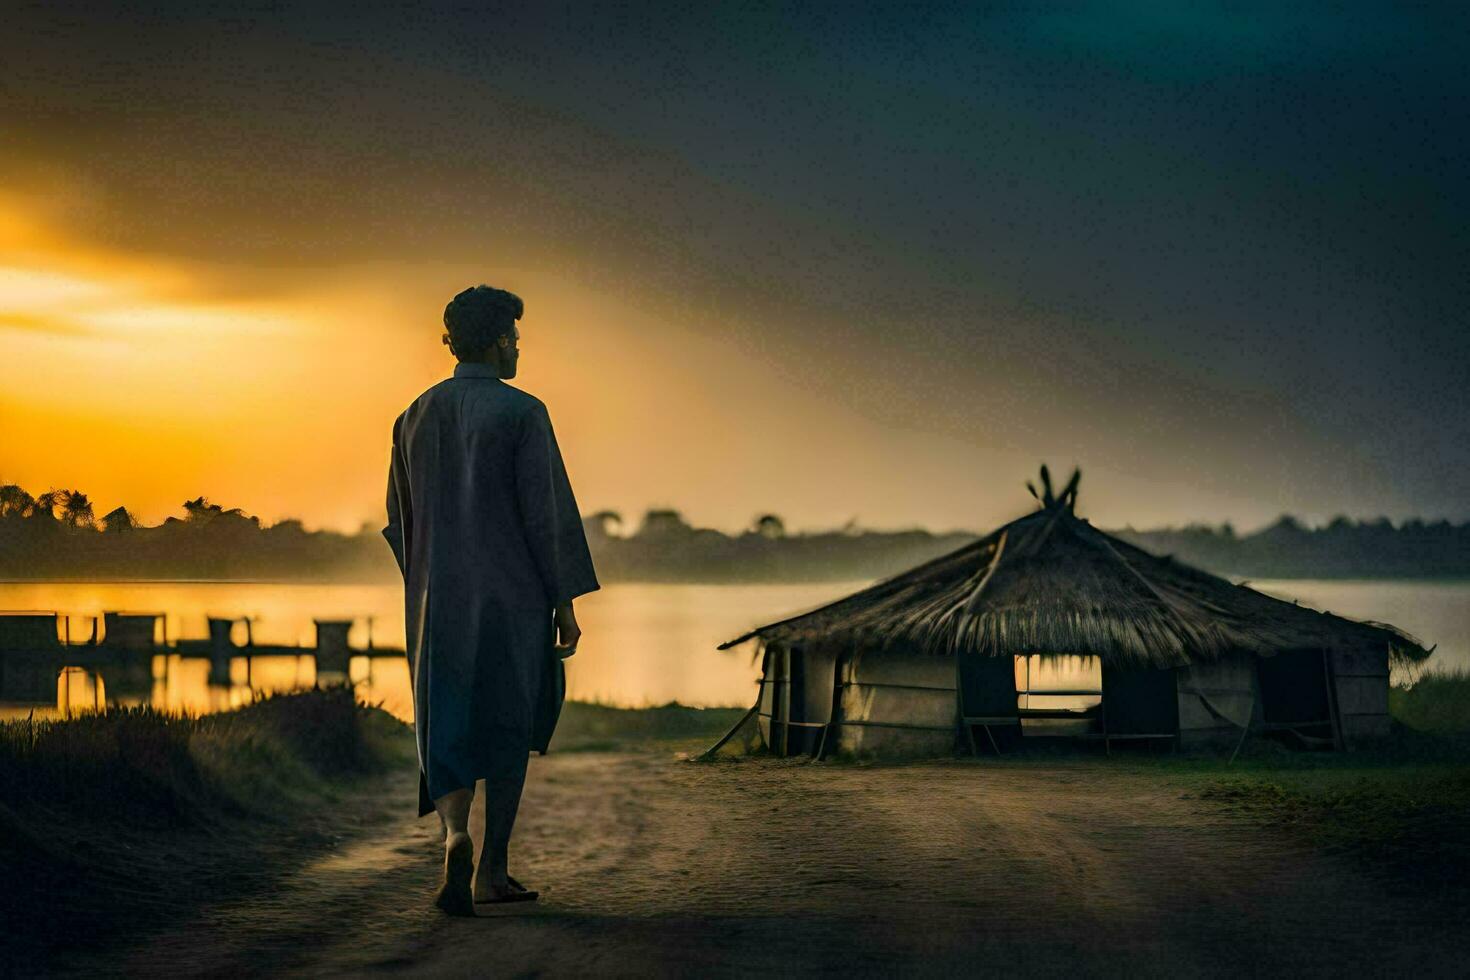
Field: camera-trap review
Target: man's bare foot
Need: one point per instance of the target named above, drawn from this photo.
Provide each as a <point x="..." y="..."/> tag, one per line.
<point x="454" y="895"/>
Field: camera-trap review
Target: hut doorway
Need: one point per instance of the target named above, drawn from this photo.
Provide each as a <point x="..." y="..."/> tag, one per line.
<point x="1296" y="696"/>
<point x="1058" y="694"/>
<point x="1003" y="698"/>
<point x="990" y="719"/>
<point x="1140" y="705"/>
<point x="784" y="706"/>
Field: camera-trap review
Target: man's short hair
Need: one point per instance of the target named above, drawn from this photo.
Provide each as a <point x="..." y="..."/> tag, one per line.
<point x="477" y="316"/>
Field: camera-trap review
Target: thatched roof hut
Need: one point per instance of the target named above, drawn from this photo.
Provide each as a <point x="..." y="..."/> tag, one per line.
<point x="1050" y="583"/>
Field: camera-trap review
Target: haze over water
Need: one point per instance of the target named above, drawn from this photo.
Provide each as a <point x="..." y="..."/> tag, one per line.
<point x="645" y="644"/>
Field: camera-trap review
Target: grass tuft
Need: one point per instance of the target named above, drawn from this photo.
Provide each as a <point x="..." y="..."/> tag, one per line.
<point x="588" y="726"/>
<point x="1437" y="701"/>
<point x="106" y="819"/>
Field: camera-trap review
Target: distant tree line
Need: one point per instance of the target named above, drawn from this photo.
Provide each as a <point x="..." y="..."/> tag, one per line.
<point x="1342" y="548"/>
<point x="666" y="548"/>
<point x="56" y="535"/>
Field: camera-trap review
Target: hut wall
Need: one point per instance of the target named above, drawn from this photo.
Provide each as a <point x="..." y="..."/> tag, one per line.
<point x="812" y="701"/>
<point x="1230" y="686"/>
<point x="1361" y="686"/>
<point x="901" y="688"/>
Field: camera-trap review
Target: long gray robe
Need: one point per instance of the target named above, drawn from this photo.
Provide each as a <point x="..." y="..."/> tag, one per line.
<point x="482" y="521"/>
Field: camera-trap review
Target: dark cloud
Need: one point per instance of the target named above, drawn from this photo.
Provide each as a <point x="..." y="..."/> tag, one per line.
<point x="1229" y="243"/>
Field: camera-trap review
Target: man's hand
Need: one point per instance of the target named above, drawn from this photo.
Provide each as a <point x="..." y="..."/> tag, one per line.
<point x="567" y="631"/>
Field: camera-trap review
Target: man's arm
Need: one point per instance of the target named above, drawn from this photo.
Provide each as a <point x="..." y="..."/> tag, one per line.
<point x="552" y="525"/>
<point x="400" y="511"/>
<point x="568" y="633"/>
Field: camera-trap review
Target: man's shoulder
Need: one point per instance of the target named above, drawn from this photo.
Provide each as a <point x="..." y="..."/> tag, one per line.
<point x="425" y="399"/>
<point x="517" y="402"/>
<point x="524" y="399"/>
<point x="424" y="396"/>
<point x="500" y="400"/>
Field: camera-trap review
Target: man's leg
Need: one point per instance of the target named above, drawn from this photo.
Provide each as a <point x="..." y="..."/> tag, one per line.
<point x="503" y="787"/>
<point x="459" y="852"/>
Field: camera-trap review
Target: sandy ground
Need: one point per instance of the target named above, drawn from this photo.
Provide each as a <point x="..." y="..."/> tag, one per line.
<point x="648" y="865"/>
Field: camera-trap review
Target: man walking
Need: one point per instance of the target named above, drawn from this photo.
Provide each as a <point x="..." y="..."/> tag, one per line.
<point x="486" y="532"/>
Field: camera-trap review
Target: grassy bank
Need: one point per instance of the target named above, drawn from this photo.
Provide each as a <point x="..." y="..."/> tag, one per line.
<point x="1401" y="805"/>
<point x="588" y="727"/>
<point x="112" y="823"/>
<point x="1437" y="702"/>
<point x="1409" y="819"/>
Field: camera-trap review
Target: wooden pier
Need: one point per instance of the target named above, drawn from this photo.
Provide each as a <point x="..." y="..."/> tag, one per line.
<point x="36" y="647"/>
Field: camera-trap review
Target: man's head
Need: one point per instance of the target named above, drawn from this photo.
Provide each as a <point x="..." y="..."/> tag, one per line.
<point x="481" y="326"/>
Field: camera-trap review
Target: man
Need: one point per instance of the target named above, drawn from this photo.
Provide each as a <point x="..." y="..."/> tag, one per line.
<point x="482" y="521"/>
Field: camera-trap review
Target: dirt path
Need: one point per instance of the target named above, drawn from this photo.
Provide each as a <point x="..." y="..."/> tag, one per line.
<point x="648" y="866"/>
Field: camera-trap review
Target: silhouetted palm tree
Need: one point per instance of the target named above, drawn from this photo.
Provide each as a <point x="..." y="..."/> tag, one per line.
<point x="76" y="510"/>
<point x="47" y="503"/>
<point x="15" y="502"/>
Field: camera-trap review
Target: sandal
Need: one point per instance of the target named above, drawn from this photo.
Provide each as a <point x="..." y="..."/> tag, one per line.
<point x="518" y="893"/>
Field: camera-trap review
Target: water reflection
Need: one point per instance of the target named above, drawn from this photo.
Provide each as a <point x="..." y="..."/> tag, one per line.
<point x="183" y="685"/>
<point x="645" y="643"/>
<point x="78" y="692"/>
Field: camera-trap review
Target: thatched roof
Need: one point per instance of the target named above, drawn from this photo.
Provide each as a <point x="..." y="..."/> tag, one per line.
<point x="1050" y="582"/>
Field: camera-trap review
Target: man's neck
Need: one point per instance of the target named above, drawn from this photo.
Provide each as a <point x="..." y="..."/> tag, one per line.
<point x="491" y="361"/>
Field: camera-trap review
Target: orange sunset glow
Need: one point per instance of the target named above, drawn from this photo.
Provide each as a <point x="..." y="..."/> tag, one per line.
<point x="146" y="380"/>
<point x="226" y="278"/>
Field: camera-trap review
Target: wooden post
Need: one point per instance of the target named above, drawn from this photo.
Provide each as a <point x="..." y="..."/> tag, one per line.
<point x="959" y="707"/>
<point x="786" y="702"/>
<point x="709" y="752"/>
<point x="836" y="707"/>
<point x="994" y="746"/>
<point x="1329" y="677"/>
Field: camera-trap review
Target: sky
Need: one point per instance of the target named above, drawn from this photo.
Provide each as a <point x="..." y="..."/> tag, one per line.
<point x="835" y="263"/>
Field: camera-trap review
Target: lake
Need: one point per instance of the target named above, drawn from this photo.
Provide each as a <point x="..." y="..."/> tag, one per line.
<point x="644" y="644"/>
